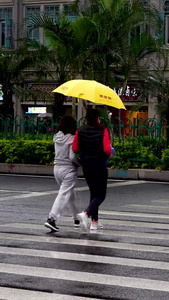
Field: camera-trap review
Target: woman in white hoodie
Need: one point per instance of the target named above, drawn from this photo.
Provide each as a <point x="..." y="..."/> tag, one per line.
<point x="65" y="172"/>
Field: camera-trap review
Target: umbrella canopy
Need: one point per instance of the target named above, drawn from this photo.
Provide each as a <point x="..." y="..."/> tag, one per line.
<point x="90" y="90"/>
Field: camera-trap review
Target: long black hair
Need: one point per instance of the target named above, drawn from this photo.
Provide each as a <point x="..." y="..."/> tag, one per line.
<point x="92" y="118"/>
<point x="67" y="125"/>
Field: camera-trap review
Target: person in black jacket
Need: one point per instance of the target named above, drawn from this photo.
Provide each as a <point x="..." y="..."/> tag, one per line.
<point x="93" y="143"/>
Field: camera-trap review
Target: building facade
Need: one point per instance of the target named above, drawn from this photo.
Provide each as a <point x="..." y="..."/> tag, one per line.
<point x="13" y="21"/>
<point x="13" y="24"/>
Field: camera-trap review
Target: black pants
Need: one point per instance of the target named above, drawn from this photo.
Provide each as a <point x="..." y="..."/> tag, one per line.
<point x="96" y="178"/>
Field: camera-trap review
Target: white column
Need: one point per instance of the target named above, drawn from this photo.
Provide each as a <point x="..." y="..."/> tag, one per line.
<point x="18" y="110"/>
<point x="152" y="112"/>
<point x="81" y="111"/>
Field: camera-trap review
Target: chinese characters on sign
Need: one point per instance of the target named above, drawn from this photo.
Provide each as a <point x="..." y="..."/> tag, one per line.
<point x="132" y="93"/>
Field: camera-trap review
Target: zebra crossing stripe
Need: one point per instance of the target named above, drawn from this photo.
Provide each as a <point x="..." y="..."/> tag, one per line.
<point x="126" y="223"/>
<point x="19" y="294"/>
<point x="95" y="278"/>
<point x="26" y="194"/>
<point x="156" y="207"/>
<point x="123" y="183"/>
<point x="84" y="242"/>
<point x="126" y="234"/>
<point x="133" y="214"/>
<point x="138" y="263"/>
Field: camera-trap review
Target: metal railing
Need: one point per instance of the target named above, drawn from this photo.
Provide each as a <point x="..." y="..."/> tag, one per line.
<point x="149" y="133"/>
<point x="31" y="128"/>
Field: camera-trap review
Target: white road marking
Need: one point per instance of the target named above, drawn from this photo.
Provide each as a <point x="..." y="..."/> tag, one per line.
<point x="77" y="189"/>
<point x="95" y="278"/>
<point x="28" y="195"/>
<point x="157" y="207"/>
<point x="127" y="223"/>
<point x="138" y="263"/>
<point x="83" y="242"/>
<point x="19" y="294"/>
<point x="126" y="233"/>
<point x="130" y="182"/>
<point x="133" y="214"/>
<point x="161" y="201"/>
<point x="10" y="191"/>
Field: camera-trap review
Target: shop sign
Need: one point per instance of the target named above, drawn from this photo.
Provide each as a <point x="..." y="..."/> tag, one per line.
<point x="132" y="93"/>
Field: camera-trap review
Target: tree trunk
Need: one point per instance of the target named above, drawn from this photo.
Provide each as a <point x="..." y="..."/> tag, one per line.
<point x="7" y="105"/>
<point x="74" y="107"/>
<point x="58" y="107"/>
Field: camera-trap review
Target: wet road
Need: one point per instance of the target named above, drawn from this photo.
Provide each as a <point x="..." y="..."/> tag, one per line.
<point x="128" y="259"/>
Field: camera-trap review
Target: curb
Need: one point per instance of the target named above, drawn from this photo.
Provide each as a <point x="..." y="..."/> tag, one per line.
<point x="132" y="174"/>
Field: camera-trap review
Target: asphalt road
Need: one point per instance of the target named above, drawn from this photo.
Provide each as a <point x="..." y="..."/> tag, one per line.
<point x="128" y="259"/>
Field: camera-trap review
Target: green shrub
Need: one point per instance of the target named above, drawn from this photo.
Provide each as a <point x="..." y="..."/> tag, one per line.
<point x="4" y="146"/>
<point x="27" y="152"/>
<point x="132" y="154"/>
<point x="165" y="158"/>
<point x="129" y="153"/>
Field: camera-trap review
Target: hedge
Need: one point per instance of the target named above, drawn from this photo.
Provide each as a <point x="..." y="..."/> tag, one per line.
<point x="27" y="152"/>
<point x="127" y="154"/>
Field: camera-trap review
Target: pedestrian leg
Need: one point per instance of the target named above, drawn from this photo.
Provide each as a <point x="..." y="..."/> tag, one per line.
<point x="66" y="192"/>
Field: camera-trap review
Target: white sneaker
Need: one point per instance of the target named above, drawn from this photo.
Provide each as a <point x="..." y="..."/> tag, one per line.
<point x="96" y="225"/>
<point x="83" y="216"/>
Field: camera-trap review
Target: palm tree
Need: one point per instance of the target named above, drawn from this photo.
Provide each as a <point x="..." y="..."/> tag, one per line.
<point x="103" y="42"/>
<point x="14" y="65"/>
<point x="68" y="45"/>
<point x="121" y="44"/>
<point x="8" y="76"/>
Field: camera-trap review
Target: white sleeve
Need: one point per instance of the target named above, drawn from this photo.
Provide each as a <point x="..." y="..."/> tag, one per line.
<point x="73" y="157"/>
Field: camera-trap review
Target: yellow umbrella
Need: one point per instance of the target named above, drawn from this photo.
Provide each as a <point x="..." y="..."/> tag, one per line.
<point x="90" y="90"/>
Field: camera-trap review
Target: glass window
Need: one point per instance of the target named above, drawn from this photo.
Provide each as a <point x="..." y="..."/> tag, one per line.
<point x="70" y="13"/>
<point x="166" y="10"/>
<point x="29" y="12"/>
<point x="52" y="11"/>
<point x="166" y="6"/>
<point x="5" y="13"/>
<point x="2" y="34"/>
<point x="6" y="27"/>
<point x="32" y="10"/>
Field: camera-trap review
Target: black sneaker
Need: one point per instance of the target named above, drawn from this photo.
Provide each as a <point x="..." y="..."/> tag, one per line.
<point x="76" y="223"/>
<point x="50" y="223"/>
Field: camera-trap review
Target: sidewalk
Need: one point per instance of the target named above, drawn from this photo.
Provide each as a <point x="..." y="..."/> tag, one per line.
<point x="134" y="174"/>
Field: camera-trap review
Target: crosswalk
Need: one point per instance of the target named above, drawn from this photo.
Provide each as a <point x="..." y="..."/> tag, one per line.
<point x="128" y="259"/>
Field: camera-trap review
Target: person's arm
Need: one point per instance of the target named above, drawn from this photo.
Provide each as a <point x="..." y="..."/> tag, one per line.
<point x="107" y="143"/>
<point x="75" y="144"/>
<point x="73" y="157"/>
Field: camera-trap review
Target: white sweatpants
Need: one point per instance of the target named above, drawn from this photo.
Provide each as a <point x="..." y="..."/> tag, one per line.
<point x="66" y="177"/>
